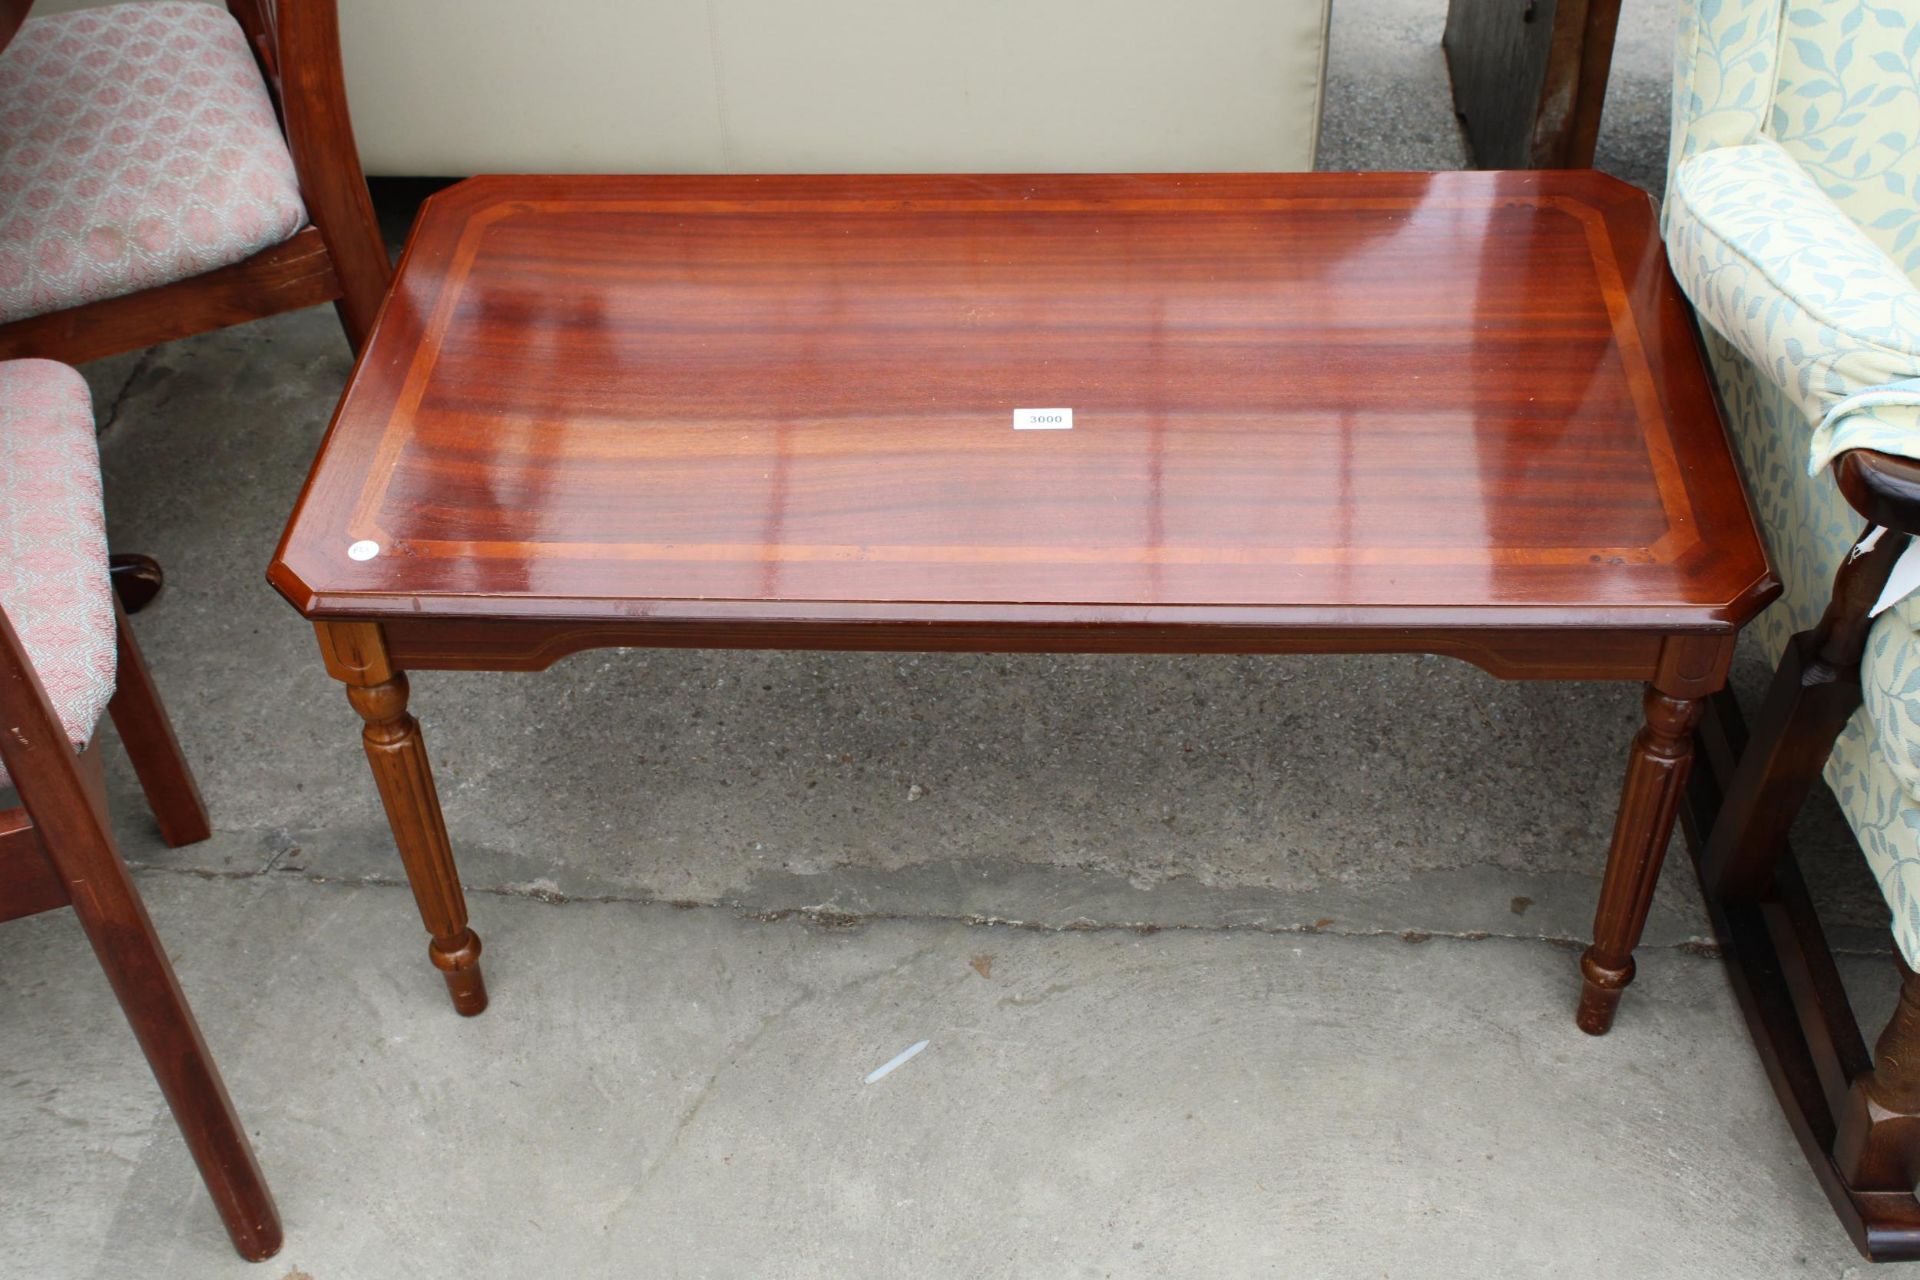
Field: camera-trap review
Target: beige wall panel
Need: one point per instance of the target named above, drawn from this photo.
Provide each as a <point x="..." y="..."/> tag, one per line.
<point x="467" y="86"/>
<point x="1019" y="84"/>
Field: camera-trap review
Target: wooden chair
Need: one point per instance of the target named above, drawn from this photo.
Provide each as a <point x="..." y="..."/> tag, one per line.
<point x="1795" y="233"/>
<point x="57" y="848"/>
<point x="133" y="211"/>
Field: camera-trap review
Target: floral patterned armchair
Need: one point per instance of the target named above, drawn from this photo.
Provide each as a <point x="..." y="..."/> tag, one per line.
<point x="1793" y="223"/>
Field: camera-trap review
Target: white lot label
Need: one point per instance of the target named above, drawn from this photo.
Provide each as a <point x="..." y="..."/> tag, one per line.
<point x="1043" y="419"/>
<point x="1902" y="582"/>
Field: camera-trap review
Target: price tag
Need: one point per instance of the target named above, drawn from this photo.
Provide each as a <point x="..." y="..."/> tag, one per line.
<point x="1043" y="419"/>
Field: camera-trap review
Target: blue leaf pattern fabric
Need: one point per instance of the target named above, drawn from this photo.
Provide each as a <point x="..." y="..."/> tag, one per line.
<point x="1772" y="263"/>
<point x="1875" y="767"/>
<point x="1793" y="222"/>
<point x="1846" y="106"/>
<point x="1723" y="76"/>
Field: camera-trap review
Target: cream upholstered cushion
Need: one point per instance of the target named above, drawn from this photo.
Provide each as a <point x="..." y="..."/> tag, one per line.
<point x="1832" y="82"/>
<point x="137" y="147"/>
<point x="1771" y="262"/>
<point x="53" y="540"/>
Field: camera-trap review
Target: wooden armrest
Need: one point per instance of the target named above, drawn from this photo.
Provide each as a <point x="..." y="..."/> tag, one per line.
<point x="1882" y="487"/>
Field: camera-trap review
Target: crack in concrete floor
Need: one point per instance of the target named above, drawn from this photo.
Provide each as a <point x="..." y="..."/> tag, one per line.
<point x="833" y="918"/>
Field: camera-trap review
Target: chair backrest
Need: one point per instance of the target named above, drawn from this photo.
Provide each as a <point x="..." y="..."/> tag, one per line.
<point x="1834" y="85"/>
<point x="297" y="43"/>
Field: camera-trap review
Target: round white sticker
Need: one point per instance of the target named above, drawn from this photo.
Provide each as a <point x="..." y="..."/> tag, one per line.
<point x="365" y="549"/>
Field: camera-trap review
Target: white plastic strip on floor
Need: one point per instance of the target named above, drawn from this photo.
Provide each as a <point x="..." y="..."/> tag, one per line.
<point x="898" y="1059"/>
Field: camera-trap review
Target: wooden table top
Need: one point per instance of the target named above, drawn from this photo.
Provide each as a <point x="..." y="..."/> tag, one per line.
<point x="1453" y="399"/>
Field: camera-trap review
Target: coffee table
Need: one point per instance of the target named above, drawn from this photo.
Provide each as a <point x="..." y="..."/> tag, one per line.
<point x="1460" y="413"/>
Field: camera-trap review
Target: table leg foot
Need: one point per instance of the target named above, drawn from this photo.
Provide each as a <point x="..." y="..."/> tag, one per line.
<point x="1656" y="775"/>
<point x="1600" y="989"/>
<point x="460" y="966"/>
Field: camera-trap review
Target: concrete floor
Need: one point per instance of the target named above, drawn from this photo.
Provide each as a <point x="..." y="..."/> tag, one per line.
<point x="1228" y="967"/>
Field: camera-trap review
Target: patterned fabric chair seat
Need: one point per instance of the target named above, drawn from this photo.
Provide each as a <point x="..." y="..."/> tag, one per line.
<point x="53" y="540"/>
<point x="1793" y="222"/>
<point x="138" y="147"/>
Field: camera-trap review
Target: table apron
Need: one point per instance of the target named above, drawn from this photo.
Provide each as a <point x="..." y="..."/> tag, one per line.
<point x="1514" y="654"/>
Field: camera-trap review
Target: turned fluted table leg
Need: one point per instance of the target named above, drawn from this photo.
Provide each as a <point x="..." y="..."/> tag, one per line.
<point x="1656" y="774"/>
<point x="1691" y="668"/>
<point x="356" y="655"/>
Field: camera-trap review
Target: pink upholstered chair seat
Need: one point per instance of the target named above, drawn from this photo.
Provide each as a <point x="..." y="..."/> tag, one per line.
<point x="138" y="146"/>
<point x="53" y="540"/>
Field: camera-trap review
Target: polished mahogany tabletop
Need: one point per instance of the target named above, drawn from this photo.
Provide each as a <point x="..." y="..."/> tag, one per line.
<point x="1297" y="399"/>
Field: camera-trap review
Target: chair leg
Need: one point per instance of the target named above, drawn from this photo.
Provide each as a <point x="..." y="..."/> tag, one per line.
<point x="158" y="762"/>
<point x="1856" y="1117"/>
<point x="116" y="923"/>
<point x="1877" y="1146"/>
<point x="1814" y="692"/>
<point x="137" y="579"/>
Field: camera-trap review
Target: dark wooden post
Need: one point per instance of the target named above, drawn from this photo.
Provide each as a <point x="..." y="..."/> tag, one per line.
<point x="1877" y="1145"/>
<point x="1530" y="78"/>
